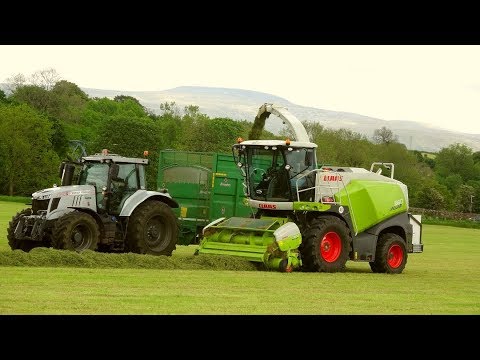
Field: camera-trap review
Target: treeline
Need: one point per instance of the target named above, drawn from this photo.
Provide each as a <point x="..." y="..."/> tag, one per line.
<point x="41" y="114"/>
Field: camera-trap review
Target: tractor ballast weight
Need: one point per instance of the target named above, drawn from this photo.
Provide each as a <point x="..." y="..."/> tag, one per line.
<point x="341" y="213"/>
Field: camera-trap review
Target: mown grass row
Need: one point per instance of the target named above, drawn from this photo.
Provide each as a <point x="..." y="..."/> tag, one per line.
<point x="183" y="259"/>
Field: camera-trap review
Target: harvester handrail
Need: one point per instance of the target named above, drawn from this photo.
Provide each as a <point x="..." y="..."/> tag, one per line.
<point x="338" y="178"/>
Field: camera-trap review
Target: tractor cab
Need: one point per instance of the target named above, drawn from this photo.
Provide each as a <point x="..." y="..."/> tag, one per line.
<point x="115" y="178"/>
<point x="272" y="169"/>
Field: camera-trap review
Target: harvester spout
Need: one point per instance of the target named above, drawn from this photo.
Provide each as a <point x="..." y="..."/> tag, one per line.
<point x="264" y="112"/>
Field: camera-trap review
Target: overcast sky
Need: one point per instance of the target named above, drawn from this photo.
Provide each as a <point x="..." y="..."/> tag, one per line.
<point x="436" y="85"/>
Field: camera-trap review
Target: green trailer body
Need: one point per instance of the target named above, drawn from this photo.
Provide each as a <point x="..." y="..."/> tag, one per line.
<point x="206" y="185"/>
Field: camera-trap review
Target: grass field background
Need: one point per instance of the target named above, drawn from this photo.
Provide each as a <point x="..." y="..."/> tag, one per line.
<point x="444" y="279"/>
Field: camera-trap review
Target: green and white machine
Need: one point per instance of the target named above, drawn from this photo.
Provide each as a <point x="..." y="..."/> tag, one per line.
<point x="314" y="219"/>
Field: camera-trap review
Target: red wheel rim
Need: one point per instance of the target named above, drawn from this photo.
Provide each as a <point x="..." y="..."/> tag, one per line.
<point x="395" y="256"/>
<point x="331" y="246"/>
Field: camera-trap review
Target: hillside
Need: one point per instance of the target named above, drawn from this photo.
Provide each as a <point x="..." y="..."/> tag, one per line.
<point x="243" y="104"/>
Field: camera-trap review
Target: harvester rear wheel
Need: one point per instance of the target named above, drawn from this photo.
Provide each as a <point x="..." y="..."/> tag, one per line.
<point x="24" y="245"/>
<point x="152" y="229"/>
<point x="390" y="255"/>
<point x="76" y="231"/>
<point x="326" y="246"/>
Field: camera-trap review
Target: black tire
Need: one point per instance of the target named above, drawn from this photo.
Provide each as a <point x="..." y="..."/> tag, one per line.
<point x="152" y="229"/>
<point x="326" y="245"/>
<point x="76" y="231"/>
<point x="24" y="245"/>
<point x="390" y="255"/>
<point x="284" y="267"/>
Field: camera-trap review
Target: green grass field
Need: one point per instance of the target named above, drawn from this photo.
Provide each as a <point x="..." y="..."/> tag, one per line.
<point x="445" y="279"/>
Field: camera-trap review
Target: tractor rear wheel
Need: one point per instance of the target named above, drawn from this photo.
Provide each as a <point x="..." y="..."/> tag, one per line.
<point x="152" y="229"/>
<point x="77" y="231"/>
<point x="24" y="245"/>
<point x="326" y="246"/>
<point x="390" y="255"/>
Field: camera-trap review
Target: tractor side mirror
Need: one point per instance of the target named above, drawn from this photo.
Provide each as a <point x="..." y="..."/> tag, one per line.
<point x="114" y="168"/>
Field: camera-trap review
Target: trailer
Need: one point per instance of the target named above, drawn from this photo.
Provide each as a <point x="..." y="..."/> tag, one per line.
<point x="206" y="185"/>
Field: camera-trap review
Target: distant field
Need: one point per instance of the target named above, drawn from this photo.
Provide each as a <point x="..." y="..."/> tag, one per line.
<point x="429" y="155"/>
<point x="445" y="279"/>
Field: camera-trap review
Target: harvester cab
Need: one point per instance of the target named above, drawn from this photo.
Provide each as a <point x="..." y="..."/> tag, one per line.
<point x="314" y="218"/>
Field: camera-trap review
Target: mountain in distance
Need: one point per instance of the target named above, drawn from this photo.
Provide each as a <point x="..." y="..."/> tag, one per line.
<point x="239" y="104"/>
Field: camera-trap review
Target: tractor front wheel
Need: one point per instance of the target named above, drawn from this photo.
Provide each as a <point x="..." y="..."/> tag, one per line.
<point x="21" y="244"/>
<point x="326" y="246"/>
<point x="390" y="255"/>
<point x="77" y="231"/>
<point x="152" y="229"/>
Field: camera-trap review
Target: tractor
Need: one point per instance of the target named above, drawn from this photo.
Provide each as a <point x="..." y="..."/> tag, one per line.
<point x="310" y="217"/>
<point x="102" y="204"/>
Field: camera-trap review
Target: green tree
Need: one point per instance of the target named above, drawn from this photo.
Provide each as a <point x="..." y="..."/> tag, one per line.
<point x="129" y="136"/>
<point x="463" y="199"/>
<point x="28" y="160"/>
<point x="123" y="98"/>
<point x="170" y="108"/>
<point x="58" y="137"/>
<point x="69" y="104"/>
<point x="455" y="159"/>
<point x="453" y="182"/>
<point x="313" y="129"/>
<point x="3" y="97"/>
<point x="36" y="97"/>
<point x="476" y="157"/>
<point x="430" y="198"/>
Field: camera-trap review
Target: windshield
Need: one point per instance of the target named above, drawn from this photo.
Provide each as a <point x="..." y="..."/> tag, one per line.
<point x="94" y="173"/>
<point x="272" y="171"/>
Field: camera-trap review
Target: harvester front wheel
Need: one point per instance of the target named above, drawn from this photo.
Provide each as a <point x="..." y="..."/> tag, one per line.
<point x="152" y="229"/>
<point x="390" y="255"/>
<point x="24" y="245"/>
<point x="326" y="246"/>
<point x="76" y="231"/>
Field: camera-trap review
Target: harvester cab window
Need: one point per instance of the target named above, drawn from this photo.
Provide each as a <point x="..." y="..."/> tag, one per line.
<point x="301" y="161"/>
<point x="267" y="174"/>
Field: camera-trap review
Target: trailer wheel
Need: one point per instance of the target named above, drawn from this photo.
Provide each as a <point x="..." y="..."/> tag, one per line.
<point x="390" y="255"/>
<point x="76" y="231"/>
<point x="326" y="246"/>
<point x="24" y="245"/>
<point x="152" y="229"/>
